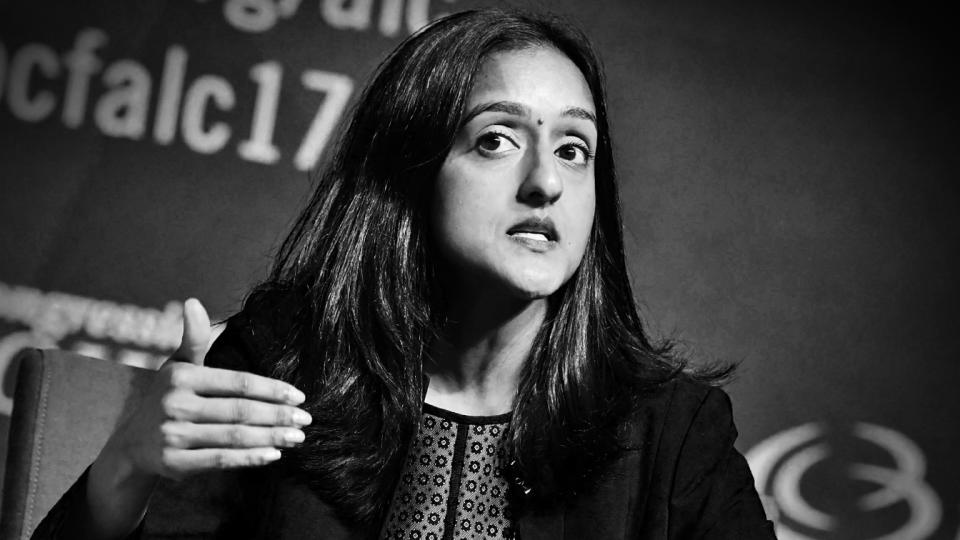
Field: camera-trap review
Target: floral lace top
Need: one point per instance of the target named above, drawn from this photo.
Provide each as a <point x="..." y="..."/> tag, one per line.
<point x="453" y="484"/>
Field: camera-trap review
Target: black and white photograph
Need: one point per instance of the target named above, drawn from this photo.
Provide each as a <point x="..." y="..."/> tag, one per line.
<point x="475" y="269"/>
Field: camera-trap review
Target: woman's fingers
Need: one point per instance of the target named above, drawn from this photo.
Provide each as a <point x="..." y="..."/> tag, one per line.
<point x="180" y="462"/>
<point x="185" y="435"/>
<point x="196" y="333"/>
<point x="224" y="382"/>
<point x="200" y="418"/>
<point x="233" y="411"/>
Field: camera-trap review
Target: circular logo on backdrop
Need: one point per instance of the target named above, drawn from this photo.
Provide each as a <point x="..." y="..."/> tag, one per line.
<point x="862" y="482"/>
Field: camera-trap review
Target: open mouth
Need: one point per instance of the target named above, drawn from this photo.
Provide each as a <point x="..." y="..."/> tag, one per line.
<point x="534" y="229"/>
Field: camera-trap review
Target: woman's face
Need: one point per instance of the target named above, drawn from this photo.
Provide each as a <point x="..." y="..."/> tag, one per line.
<point x="514" y="200"/>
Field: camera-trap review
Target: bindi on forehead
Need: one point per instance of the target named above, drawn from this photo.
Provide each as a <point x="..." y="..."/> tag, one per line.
<point x="539" y="121"/>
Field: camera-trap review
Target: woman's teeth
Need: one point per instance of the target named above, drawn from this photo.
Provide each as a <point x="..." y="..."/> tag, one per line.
<point x="532" y="236"/>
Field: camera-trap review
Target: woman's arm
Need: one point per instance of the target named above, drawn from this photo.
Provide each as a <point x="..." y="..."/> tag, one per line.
<point x="194" y="418"/>
<point x="714" y="495"/>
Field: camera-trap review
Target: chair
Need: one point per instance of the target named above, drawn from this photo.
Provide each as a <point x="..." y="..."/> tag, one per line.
<point x="64" y="408"/>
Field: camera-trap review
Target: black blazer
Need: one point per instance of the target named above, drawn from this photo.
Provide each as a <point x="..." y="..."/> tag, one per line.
<point x="684" y="480"/>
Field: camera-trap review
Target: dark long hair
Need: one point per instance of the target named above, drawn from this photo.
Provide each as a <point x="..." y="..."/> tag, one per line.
<point x="364" y="312"/>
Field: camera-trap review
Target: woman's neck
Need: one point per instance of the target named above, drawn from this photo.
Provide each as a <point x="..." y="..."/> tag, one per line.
<point x="475" y="366"/>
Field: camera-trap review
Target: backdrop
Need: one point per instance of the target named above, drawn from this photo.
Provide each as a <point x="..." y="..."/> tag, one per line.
<point x="785" y="184"/>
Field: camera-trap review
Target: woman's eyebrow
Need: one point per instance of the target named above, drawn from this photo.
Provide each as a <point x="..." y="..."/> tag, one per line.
<point x="581" y="113"/>
<point x="509" y="107"/>
<point x="518" y="109"/>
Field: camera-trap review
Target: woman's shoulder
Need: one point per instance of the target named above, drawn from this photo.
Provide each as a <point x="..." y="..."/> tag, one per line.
<point x="682" y="405"/>
<point x="269" y="313"/>
<point x="258" y="332"/>
<point x="685" y="435"/>
<point x="680" y="391"/>
<point x="691" y="396"/>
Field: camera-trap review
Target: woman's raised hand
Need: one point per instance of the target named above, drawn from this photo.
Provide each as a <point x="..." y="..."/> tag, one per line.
<point x="196" y="418"/>
<point x="192" y="419"/>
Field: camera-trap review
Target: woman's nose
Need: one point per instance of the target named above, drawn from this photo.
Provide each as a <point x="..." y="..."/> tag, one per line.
<point x="541" y="184"/>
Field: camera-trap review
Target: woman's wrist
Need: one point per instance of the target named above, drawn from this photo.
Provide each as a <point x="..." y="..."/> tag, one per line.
<point x="117" y="494"/>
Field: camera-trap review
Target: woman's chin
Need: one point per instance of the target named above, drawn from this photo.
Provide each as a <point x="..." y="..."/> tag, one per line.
<point x="520" y="283"/>
<point x="532" y="287"/>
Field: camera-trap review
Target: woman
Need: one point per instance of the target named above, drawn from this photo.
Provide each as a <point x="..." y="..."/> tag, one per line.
<point x="448" y="346"/>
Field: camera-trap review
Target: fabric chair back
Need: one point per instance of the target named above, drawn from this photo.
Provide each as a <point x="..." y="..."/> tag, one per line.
<point x="64" y="408"/>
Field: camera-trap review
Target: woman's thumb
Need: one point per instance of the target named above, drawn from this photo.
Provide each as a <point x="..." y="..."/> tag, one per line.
<point x="196" y="332"/>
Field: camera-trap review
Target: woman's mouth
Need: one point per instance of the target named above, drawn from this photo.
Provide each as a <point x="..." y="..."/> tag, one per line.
<point x="538" y="234"/>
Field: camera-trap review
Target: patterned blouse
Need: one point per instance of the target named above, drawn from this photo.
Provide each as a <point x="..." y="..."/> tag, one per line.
<point x="453" y="484"/>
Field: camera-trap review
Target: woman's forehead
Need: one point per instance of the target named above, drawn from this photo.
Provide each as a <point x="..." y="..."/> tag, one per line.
<point x="540" y="78"/>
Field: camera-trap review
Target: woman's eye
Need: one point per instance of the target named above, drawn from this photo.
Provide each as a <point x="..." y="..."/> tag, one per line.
<point x="494" y="143"/>
<point x="574" y="153"/>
